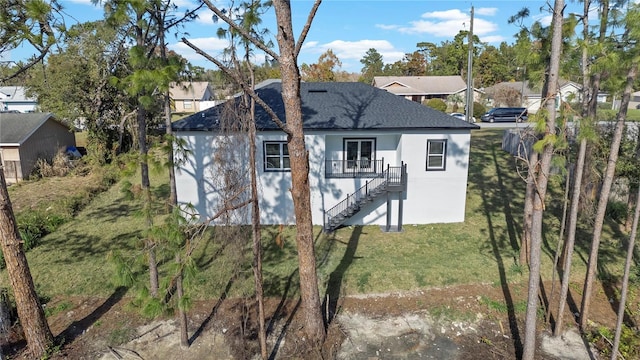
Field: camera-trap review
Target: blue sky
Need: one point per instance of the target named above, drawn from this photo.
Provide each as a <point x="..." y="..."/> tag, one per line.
<point x="351" y="27"/>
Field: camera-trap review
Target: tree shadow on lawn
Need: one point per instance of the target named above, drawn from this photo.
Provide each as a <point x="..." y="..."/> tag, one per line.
<point x="76" y="246"/>
<point x="77" y="328"/>
<point x="213" y="312"/>
<point x="334" y="284"/>
<point x="497" y="198"/>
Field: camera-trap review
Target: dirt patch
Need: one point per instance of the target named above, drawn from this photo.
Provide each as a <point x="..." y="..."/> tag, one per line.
<point x="441" y="323"/>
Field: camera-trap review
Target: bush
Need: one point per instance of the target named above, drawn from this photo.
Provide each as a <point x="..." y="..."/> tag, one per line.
<point x="436" y="104"/>
<point x="59" y="166"/>
<point x="478" y="110"/>
<point x="629" y="341"/>
<point x="617" y="211"/>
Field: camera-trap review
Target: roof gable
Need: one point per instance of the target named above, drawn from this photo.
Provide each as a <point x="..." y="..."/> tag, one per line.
<point x="194" y="90"/>
<point x="16" y="128"/>
<point x="335" y="106"/>
<point x="427" y="85"/>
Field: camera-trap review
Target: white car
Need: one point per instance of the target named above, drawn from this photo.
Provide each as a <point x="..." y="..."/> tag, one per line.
<point x="461" y="116"/>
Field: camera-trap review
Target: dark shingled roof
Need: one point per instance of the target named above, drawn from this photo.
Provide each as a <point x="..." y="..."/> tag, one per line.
<point x="15" y="128"/>
<point x="336" y="106"/>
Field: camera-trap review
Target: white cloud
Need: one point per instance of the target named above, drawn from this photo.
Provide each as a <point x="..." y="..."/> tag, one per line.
<point x="453" y="14"/>
<point x="545" y="19"/>
<point x="205" y="17"/>
<point x="387" y="27"/>
<point x="211" y="45"/>
<point x="492" y="39"/>
<point x="350" y="52"/>
<point x="83" y="2"/>
<point x="188" y="4"/>
<point x="447" y="24"/>
<point x="486" y="11"/>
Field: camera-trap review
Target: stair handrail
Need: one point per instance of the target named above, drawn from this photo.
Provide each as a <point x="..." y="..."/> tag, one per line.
<point x="356" y="197"/>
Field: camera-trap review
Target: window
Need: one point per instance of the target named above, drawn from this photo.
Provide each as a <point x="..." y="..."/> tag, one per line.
<point x="359" y="154"/>
<point x="187" y="104"/>
<point x="276" y="156"/>
<point x="436" y="154"/>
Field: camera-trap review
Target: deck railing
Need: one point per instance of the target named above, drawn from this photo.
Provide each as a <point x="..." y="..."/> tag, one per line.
<point x="353" y="168"/>
<point x="392" y="176"/>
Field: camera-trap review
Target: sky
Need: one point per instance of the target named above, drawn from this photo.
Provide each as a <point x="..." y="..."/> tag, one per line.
<point x="351" y="27"/>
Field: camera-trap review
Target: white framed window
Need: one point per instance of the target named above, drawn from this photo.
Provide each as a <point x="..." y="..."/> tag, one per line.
<point x="276" y="156"/>
<point x="187" y="104"/>
<point x="436" y="155"/>
<point x="360" y="154"/>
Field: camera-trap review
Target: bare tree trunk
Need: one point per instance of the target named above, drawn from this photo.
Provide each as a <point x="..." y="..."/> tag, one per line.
<point x="146" y="198"/>
<point x="567" y="253"/>
<point x="592" y="264"/>
<point x="34" y="323"/>
<point x="299" y="158"/>
<point x="255" y="220"/>
<point x="530" y="333"/>
<point x="182" y="313"/>
<point x="525" y="246"/>
<point x="571" y="237"/>
<point x="592" y="104"/>
<point x="144" y="177"/>
<point x="561" y="244"/>
<point x="633" y="194"/>
<point x="625" y="279"/>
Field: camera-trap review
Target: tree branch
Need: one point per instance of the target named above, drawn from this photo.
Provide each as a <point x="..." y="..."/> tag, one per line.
<point x="262" y="46"/>
<point x="307" y="26"/>
<point x="243" y="84"/>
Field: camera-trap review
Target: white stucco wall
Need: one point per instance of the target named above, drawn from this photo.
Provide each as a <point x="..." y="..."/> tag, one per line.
<point x="431" y="196"/>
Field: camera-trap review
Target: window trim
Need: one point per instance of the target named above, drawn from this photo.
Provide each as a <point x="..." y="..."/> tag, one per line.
<point x="359" y="139"/>
<point x="187" y="104"/>
<point x="281" y="156"/>
<point x="443" y="154"/>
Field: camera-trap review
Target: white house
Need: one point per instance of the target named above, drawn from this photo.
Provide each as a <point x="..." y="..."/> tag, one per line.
<point x="569" y="91"/>
<point x="374" y="157"/>
<point x="14" y="99"/>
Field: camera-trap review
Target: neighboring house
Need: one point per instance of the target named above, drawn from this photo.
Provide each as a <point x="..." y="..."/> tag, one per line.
<point x="188" y="97"/>
<point x="421" y="88"/>
<point x="634" y="101"/>
<point x="25" y="138"/>
<point x="373" y="157"/>
<point x="14" y="99"/>
<point x="532" y="97"/>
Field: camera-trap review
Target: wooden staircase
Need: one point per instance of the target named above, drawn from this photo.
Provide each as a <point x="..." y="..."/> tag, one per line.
<point x="391" y="179"/>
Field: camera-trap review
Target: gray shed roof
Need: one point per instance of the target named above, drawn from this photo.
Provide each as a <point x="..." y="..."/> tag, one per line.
<point x="336" y="106"/>
<point x="16" y="128"/>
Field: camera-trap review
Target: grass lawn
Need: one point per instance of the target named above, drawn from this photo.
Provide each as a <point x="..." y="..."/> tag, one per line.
<point x="354" y="260"/>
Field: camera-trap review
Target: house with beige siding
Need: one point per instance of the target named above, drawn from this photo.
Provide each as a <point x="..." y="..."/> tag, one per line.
<point x="25" y="138"/>
<point x="188" y="97"/>
<point x="421" y="88"/>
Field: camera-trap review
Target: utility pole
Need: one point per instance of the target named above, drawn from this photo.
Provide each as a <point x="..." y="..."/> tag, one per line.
<point x="469" y="100"/>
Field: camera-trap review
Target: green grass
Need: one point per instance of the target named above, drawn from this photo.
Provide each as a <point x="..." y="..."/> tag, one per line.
<point x="632" y="114"/>
<point x="353" y="260"/>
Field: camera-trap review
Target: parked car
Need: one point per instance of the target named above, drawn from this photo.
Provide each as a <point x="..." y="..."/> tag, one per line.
<point x="505" y="114"/>
<point x="461" y="116"/>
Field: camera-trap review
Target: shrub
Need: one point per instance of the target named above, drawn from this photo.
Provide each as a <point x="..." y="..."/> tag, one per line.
<point x="436" y="104"/>
<point x="60" y="166"/>
<point x="617" y="211"/>
<point x="478" y="110"/>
